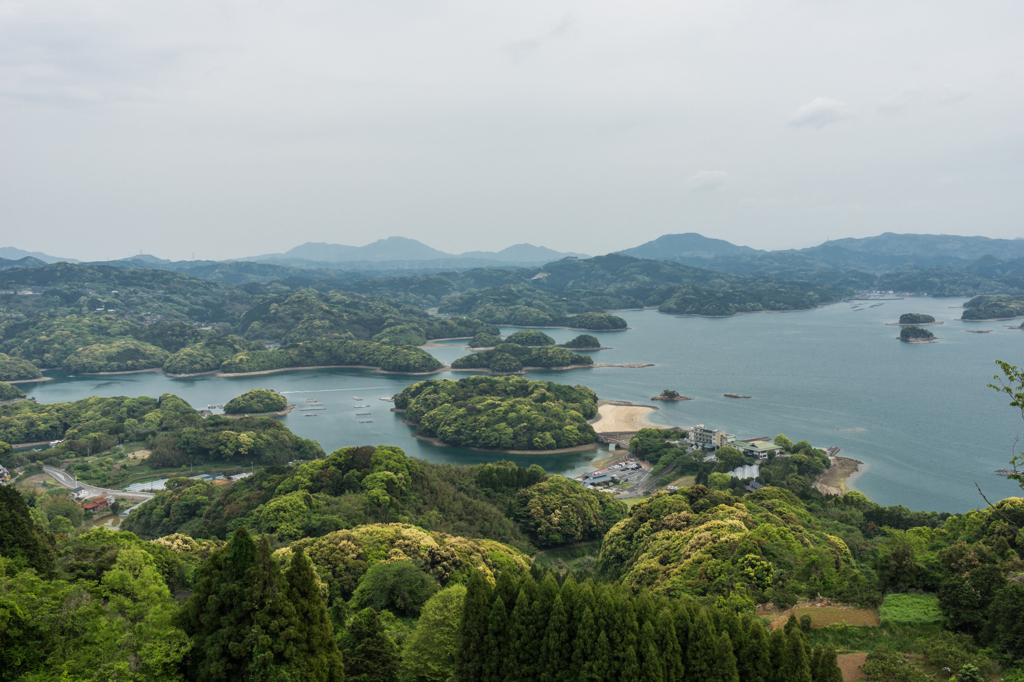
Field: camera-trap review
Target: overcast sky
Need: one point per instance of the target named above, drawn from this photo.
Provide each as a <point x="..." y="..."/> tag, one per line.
<point x="230" y="129"/>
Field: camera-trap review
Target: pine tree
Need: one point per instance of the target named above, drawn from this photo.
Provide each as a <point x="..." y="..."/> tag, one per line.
<point x="778" y="651"/>
<point x="584" y="648"/>
<point x="241" y="623"/>
<point x="370" y="655"/>
<point x="318" y="658"/>
<point x="725" y="661"/>
<point x="507" y="587"/>
<point x="671" y="651"/>
<point x="652" y="666"/>
<point x="599" y="665"/>
<point x="828" y="669"/>
<point x="556" y="651"/>
<point x="702" y="649"/>
<point x="496" y="645"/>
<point x="471" y="654"/>
<point x="799" y="661"/>
<point x="753" y="659"/>
<point x="629" y="670"/>
<point x="523" y="651"/>
<point x="627" y="636"/>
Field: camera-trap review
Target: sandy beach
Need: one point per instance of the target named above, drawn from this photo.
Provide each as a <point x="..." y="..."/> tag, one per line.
<point x="619" y="418"/>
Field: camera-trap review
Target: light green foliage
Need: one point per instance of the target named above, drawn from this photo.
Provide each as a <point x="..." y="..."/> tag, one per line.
<point x="484" y="340"/>
<point x="502" y="413"/>
<point x="17" y="369"/>
<point x="916" y="318"/>
<point x="396" y="586"/>
<point x="8" y="392"/>
<point x="910" y="609"/>
<point x="123" y="355"/>
<point x="718" y="481"/>
<point x="256" y="401"/>
<point x="327" y="351"/>
<point x="208" y="355"/>
<point x="885" y="665"/>
<point x="993" y="307"/>
<point x="558" y="511"/>
<point x="583" y="342"/>
<point x="429" y="653"/>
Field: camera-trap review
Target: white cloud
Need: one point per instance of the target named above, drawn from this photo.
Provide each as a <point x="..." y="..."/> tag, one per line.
<point x="707" y="180"/>
<point x="820" y="112"/>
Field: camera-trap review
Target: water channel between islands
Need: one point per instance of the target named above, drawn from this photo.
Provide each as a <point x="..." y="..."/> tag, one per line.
<point x="920" y="416"/>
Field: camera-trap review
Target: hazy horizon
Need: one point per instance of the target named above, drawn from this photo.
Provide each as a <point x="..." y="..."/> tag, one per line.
<point x="229" y="131"/>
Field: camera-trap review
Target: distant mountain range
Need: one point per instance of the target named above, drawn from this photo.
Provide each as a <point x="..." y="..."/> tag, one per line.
<point x="397" y="250"/>
<point x="9" y="253"/>
<point x="883" y="253"/>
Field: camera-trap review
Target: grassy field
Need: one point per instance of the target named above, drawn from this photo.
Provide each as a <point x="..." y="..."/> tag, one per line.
<point x="824" y="616"/>
<point x="684" y="482"/>
<point x="911" y="609"/>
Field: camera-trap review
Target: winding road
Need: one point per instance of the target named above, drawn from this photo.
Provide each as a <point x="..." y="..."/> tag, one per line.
<point x="68" y="481"/>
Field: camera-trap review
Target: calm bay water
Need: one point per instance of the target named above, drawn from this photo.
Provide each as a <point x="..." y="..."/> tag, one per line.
<point x="920" y="415"/>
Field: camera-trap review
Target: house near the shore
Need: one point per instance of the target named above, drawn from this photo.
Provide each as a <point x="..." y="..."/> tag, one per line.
<point x="759" y="450"/>
<point x="709" y="438"/>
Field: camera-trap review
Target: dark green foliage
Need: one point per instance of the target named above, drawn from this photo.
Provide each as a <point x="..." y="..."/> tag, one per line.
<point x="530" y="337"/>
<point x="583" y="342"/>
<point x="172" y="336"/>
<point x="316" y="656"/>
<point x="334" y="352"/>
<point x="8" y="392"/>
<point x="559" y="511"/>
<point x="916" y="318"/>
<point x="913" y="333"/>
<point x="472" y="653"/>
<point x="16" y="369"/>
<point x="501" y="413"/>
<point x="369" y="654"/>
<point x="241" y="620"/>
<point x="397" y="586"/>
<point x="885" y="665"/>
<point x="1005" y="627"/>
<point x="256" y="401"/>
<point x="596" y="322"/>
<point x="20" y="540"/>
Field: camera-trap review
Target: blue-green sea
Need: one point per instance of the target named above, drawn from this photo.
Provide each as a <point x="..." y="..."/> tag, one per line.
<point x="920" y="416"/>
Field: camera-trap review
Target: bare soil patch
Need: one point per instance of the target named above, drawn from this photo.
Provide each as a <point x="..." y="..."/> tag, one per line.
<point x="850" y="665"/>
<point x="139" y="454"/>
<point x="823" y="616"/>
<point x="833" y="480"/>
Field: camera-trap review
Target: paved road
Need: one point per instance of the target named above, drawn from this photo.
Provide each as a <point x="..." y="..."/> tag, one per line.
<point x="68" y="481"/>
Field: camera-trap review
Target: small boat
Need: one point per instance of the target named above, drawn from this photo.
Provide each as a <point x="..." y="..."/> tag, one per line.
<point x="365" y="421"/>
<point x="362" y="414"/>
<point x="356" y="398"/>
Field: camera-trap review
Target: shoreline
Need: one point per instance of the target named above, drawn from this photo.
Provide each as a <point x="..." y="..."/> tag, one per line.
<point x="127" y="371"/>
<point x="991" y="319"/>
<point x="934" y="340"/>
<point x="29" y="381"/>
<point x="619" y="416"/>
<point x="750" y="312"/>
<point x="524" y="370"/>
<point x="839" y="478"/>
<point x="914" y="324"/>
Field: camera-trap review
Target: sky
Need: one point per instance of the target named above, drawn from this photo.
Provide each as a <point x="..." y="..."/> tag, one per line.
<point x="217" y="129"/>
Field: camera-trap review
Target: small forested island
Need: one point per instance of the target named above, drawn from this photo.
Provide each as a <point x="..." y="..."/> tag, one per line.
<point x="916" y="318"/>
<point x="912" y="334"/>
<point x="669" y="394"/>
<point x="17" y="369"/>
<point x="208" y="355"/>
<point x="500" y="413"/>
<point x="8" y="392"/>
<point x="993" y="308"/>
<point x="256" y="401"/>
<point x="583" y="342"/>
<point x="530" y="337"/>
<point x="509" y="358"/>
<point x="484" y="340"/>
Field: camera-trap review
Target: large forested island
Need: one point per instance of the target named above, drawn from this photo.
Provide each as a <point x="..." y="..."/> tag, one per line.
<point x="507" y="358"/>
<point x="256" y="401"/>
<point x="993" y="308"/>
<point x="501" y="413"/>
<point x="916" y="318"/>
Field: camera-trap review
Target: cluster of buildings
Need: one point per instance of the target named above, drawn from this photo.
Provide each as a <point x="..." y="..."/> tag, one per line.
<point x="712" y="439"/>
<point x="5" y="475"/>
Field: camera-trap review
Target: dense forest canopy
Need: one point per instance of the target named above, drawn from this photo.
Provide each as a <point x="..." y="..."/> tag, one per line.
<point x="507" y="358"/>
<point x="256" y="401"/>
<point x="913" y="333"/>
<point x="501" y="413"/>
<point x="916" y="318"/>
<point x="993" y="307"/>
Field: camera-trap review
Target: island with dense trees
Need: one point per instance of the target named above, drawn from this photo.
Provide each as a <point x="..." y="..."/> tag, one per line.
<point x="583" y="342"/>
<point x="530" y="337"/>
<point x="916" y="318"/>
<point x="208" y="355"/>
<point x="16" y="369"/>
<point x="913" y="334"/>
<point x="509" y="358"/>
<point x="993" y="308"/>
<point x="501" y="413"/>
<point x="256" y="401"/>
<point x="484" y="340"/>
